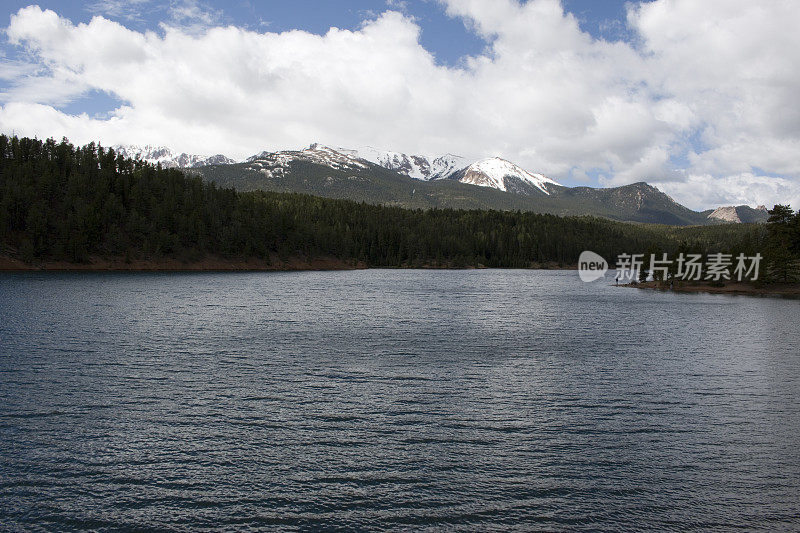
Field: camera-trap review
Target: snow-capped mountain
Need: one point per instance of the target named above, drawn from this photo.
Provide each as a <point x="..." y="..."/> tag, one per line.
<point x="276" y="163"/>
<point x="494" y="172"/>
<point x="504" y="175"/>
<point x="420" y="167"/>
<point x="169" y="159"/>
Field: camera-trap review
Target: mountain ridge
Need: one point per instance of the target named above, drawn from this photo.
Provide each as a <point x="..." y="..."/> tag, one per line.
<point x="167" y="158"/>
<point x="738" y="214"/>
<point x="380" y="176"/>
<point x="377" y="185"/>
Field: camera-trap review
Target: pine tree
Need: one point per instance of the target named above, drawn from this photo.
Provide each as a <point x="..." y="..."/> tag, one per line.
<point x="781" y="251"/>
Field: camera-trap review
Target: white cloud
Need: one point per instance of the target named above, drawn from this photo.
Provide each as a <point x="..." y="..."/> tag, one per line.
<point x="703" y="191"/>
<point x="131" y="10"/>
<point x="190" y="15"/>
<point x="544" y="94"/>
<point x="734" y="65"/>
<point x="399" y="5"/>
<point x="193" y="16"/>
<point x="14" y="70"/>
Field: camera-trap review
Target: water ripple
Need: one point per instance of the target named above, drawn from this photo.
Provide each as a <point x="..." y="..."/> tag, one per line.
<point x="393" y="400"/>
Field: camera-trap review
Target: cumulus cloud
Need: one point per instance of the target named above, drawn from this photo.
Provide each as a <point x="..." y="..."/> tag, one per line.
<point x="705" y="97"/>
<point x="701" y="191"/>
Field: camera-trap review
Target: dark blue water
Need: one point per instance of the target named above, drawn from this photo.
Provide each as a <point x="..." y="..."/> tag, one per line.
<point x="479" y="400"/>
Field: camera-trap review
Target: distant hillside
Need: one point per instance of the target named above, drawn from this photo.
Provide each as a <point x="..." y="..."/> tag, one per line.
<point x="372" y="183"/>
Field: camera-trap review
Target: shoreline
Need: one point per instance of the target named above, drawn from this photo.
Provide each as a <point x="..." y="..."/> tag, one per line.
<point x="219" y="264"/>
<point x="734" y="287"/>
<point x="207" y="264"/>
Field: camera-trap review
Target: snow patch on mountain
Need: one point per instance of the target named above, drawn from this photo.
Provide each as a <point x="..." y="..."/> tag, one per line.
<point x="332" y="157"/>
<point x="446" y="165"/>
<point x="274" y="164"/>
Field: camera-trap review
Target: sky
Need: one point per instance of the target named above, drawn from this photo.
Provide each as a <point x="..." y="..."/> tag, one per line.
<point x="701" y="99"/>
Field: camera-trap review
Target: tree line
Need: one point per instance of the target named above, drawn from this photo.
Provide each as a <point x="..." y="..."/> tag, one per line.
<point x="61" y="202"/>
<point x="782" y="246"/>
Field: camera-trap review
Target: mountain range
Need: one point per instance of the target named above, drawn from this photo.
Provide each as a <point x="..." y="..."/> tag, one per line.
<point x="168" y="159"/>
<point x="372" y="175"/>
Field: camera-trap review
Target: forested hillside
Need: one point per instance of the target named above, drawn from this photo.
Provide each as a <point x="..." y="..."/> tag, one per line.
<point x="59" y="202"/>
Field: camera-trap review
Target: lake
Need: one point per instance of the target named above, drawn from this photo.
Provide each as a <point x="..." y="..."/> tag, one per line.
<point x="393" y="399"/>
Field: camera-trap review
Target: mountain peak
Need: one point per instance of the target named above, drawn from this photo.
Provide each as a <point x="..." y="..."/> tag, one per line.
<point x="493" y="172"/>
<point x="739" y="214"/>
<point x="167" y="158"/>
<point x="501" y="174"/>
<point x="726" y="214"/>
<point x="421" y="167"/>
<point x="336" y="158"/>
